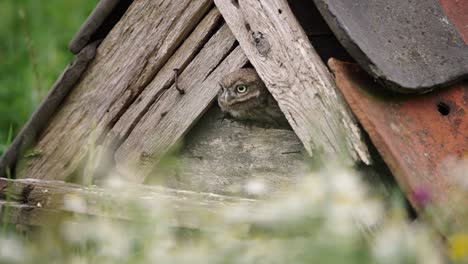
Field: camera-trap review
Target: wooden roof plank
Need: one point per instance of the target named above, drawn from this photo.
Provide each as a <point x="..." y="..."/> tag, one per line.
<point x="165" y="77"/>
<point x="278" y="48"/>
<point x="127" y="60"/>
<point x="171" y="116"/>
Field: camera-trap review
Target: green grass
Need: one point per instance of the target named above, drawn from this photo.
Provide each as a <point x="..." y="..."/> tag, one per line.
<point x="34" y="35"/>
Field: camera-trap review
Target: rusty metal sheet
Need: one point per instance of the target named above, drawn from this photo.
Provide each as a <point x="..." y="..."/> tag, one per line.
<point x="422" y="138"/>
<point x="412" y="46"/>
<point x="457" y="13"/>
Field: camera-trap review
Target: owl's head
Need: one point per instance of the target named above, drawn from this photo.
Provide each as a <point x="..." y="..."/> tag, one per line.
<point x="240" y="87"/>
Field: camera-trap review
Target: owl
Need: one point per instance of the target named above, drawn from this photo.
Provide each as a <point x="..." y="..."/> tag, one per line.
<point x="244" y="96"/>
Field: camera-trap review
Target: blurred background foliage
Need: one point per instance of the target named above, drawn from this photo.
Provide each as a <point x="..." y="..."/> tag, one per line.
<point x="34" y="36"/>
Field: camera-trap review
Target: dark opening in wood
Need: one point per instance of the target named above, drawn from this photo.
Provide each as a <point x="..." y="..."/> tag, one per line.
<point x="318" y="31"/>
<point x="113" y="18"/>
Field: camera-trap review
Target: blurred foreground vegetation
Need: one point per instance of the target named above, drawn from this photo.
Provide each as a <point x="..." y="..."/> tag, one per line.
<point x="331" y="217"/>
<point x="34" y="35"/>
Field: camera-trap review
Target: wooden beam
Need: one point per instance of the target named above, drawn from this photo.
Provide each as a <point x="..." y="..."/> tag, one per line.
<point x="278" y="48"/>
<point x="127" y="60"/>
<point x="224" y="156"/>
<point x="21" y="214"/>
<point x="35" y="202"/>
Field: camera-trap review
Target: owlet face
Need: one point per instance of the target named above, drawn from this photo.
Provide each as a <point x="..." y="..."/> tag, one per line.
<point x="245" y="97"/>
<point x="240" y="90"/>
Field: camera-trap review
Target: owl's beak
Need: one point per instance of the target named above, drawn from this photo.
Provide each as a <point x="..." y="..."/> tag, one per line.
<point x="228" y="96"/>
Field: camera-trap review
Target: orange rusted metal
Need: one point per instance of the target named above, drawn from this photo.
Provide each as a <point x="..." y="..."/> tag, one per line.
<point x="457" y="12"/>
<point x="420" y="137"/>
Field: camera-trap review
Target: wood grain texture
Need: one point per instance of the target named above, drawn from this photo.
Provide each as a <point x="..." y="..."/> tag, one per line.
<point x="34" y="201"/>
<point x="224" y="156"/>
<point x="47" y="108"/>
<point x="164" y="78"/>
<point x="127" y="60"/>
<point x="172" y="115"/>
<point x="278" y="48"/>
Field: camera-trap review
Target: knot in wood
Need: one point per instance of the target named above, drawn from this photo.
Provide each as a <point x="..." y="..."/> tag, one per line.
<point x="145" y="156"/>
<point x="261" y="43"/>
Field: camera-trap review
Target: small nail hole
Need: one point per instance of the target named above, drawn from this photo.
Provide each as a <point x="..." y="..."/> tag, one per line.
<point x="280" y="11"/>
<point x="443" y="108"/>
<point x="247" y="26"/>
<point x="235" y="3"/>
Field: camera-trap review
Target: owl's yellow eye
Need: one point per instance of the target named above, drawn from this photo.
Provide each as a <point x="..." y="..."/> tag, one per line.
<point x="241" y="88"/>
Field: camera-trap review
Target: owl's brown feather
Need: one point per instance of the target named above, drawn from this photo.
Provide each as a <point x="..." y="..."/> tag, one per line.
<point x="256" y="104"/>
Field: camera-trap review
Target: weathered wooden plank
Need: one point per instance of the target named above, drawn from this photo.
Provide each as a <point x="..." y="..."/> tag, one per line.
<point x="21" y="214"/>
<point x="46" y="109"/>
<point x="51" y="194"/>
<point x="227" y="157"/>
<point x="170" y="117"/>
<point x="34" y="201"/>
<point x="165" y="78"/>
<point x="127" y="60"/>
<point x="278" y="48"/>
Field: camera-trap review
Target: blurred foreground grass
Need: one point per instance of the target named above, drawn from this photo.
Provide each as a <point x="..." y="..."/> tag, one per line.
<point x="34" y="35"/>
<point x="330" y="218"/>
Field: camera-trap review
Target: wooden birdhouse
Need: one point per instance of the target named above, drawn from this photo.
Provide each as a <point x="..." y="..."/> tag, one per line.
<point x="144" y="84"/>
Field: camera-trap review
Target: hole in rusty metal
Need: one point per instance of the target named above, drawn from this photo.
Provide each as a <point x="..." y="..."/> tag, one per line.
<point x="443" y="108"/>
